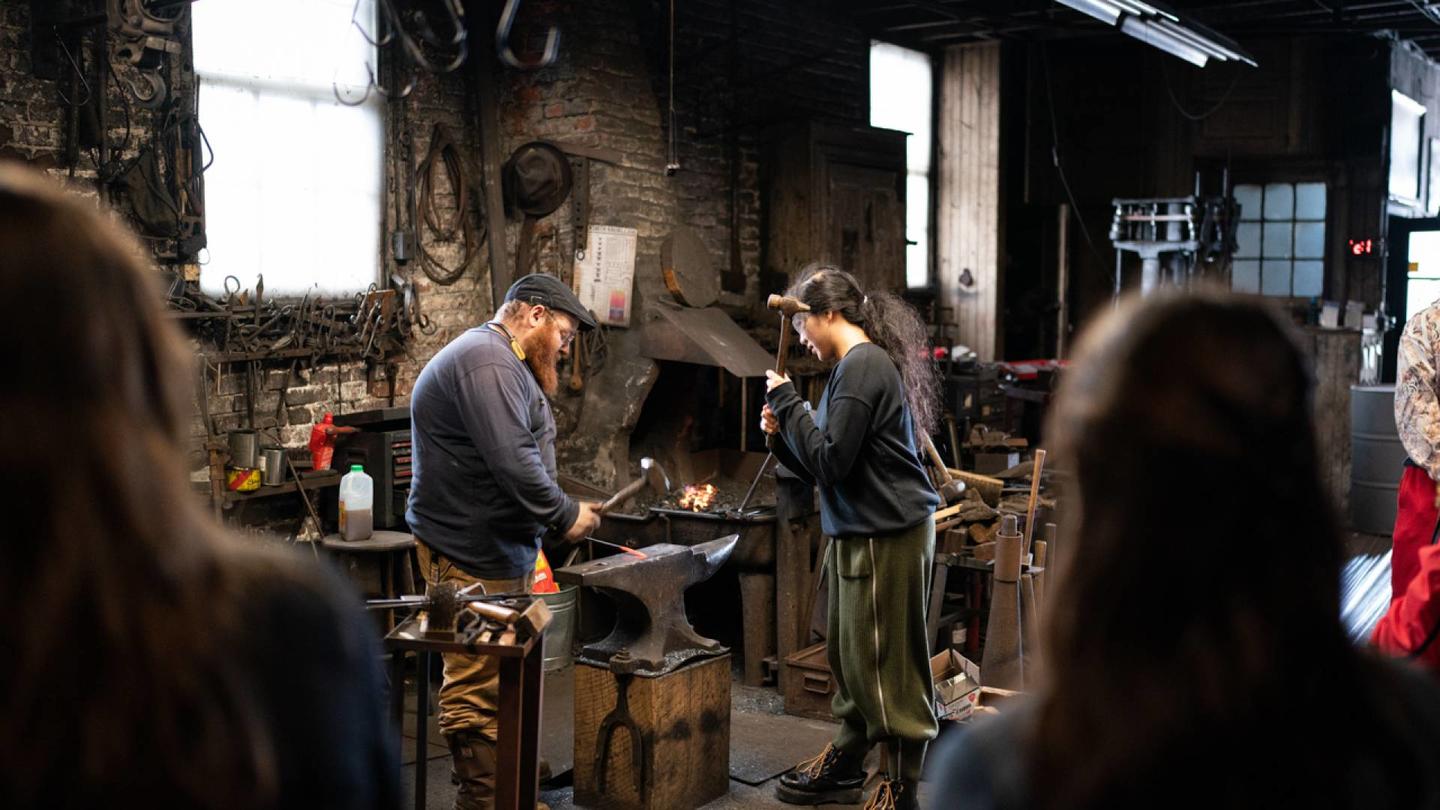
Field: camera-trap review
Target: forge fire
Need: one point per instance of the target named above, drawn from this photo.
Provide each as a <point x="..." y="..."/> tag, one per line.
<point x="697" y="498"/>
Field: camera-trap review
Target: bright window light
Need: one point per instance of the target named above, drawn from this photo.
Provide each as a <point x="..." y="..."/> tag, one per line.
<point x="900" y="98"/>
<point x="295" y="189"/>
<point x="1280" y="242"/>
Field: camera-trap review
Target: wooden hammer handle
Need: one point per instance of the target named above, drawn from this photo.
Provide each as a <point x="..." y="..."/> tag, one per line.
<point x="1034" y="499"/>
<point x="935" y="459"/>
<point x="630" y="490"/>
<point x="783" y="352"/>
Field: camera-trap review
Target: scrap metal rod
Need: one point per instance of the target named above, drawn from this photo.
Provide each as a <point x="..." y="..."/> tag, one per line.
<point x="626" y="549"/>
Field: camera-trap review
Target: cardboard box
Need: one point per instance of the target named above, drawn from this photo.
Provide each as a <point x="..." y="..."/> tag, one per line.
<point x="957" y="685"/>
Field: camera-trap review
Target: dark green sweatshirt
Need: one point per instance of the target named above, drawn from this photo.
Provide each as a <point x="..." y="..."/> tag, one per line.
<point x="859" y="447"/>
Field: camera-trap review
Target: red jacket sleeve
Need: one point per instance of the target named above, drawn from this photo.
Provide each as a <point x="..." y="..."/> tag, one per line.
<point x="1409" y="628"/>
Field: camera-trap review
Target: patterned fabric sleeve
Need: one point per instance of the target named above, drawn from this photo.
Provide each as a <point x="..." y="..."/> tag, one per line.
<point x="1417" y="407"/>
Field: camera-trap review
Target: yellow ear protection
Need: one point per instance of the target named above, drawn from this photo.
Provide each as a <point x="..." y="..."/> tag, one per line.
<point x="514" y="344"/>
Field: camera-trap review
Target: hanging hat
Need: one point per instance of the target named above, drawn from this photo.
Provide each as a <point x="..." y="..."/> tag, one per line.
<point x="537" y="179"/>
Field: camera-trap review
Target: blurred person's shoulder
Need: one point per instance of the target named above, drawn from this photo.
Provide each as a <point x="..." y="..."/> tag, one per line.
<point x="289" y="598"/>
<point x="1413" y="697"/>
<point x="1402" y="742"/>
<point x="977" y="765"/>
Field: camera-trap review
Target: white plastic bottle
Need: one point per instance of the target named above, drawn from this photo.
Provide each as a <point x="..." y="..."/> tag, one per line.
<point x="357" y="498"/>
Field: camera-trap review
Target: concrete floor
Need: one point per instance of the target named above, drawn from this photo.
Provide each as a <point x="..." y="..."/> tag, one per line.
<point x="751" y="708"/>
<point x="757" y="714"/>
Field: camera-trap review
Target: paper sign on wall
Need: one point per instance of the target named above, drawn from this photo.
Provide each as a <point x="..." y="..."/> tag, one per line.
<point x="605" y="277"/>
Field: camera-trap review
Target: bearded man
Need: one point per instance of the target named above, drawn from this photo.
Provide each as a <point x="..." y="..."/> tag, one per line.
<point x="483" y="490"/>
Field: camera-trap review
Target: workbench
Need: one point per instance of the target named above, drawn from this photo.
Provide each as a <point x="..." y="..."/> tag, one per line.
<point x="517" y="778"/>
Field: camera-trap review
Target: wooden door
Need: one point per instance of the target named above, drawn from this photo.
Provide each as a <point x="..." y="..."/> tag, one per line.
<point x="864" y="227"/>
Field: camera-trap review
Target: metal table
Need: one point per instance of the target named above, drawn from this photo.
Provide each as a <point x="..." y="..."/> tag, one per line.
<point x="517" y="781"/>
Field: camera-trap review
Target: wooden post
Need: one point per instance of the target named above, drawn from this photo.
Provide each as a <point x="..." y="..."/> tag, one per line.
<point x="967" y="221"/>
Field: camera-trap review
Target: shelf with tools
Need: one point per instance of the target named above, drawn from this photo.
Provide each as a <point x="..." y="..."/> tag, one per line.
<point x="311" y="482"/>
<point x="245" y="326"/>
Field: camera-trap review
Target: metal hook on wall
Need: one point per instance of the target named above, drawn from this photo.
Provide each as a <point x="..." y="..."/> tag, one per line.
<point x="502" y="41"/>
<point x="385" y="37"/>
<point x="458" y="39"/>
<point x="335" y="88"/>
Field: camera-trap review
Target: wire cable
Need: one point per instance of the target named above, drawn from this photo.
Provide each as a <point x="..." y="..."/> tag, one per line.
<point x="1170" y="91"/>
<point x="1055" y="155"/>
<point x="443" y="150"/>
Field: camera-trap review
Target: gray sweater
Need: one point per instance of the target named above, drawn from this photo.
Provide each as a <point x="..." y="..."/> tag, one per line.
<point x="859" y="447"/>
<point x="484" y="490"/>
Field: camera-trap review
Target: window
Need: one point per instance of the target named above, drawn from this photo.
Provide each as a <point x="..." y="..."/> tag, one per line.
<point x="1281" y="240"/>
<point x="900" y="98"/>
<point x="1423" y="279"/>
<point x="1407" y="122"/>
<point x="295" y="189"/>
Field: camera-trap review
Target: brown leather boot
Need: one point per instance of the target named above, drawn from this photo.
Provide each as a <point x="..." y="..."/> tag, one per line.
<point x="474" y="771"/>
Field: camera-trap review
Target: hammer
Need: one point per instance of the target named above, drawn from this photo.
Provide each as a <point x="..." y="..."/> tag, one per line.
<point x="443" y="602"/>
<point x="788" y="306"/>
<point x="951" y="490"/>
<point x="532" y="620"/>
<point x="652" y="475"/>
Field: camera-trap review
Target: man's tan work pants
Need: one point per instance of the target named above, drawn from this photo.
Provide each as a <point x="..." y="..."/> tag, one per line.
<point x="470" y="691"/>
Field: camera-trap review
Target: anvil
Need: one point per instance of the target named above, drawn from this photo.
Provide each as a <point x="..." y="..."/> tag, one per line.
<point x="649" y="596"/>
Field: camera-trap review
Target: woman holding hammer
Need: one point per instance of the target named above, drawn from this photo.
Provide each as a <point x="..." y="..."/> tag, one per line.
<point x="876" y="502"/>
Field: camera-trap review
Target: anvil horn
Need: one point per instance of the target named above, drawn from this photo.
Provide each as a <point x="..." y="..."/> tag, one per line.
<point x="649" y="596"/>
<point x="715" y="553"/>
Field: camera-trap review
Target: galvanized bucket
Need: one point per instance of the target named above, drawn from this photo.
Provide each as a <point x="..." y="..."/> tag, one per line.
<point x="560" y="635"/>
<point x="1377" y="459"/>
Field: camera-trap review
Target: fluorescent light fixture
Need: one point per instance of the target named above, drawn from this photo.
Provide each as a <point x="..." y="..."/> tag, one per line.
<point x="1137" y="8"/>
<point x="1214" y="44"/>
<point x="1152" y="35"/>
<point x="1102" y="10"/>
<point x="1157" y="25"/>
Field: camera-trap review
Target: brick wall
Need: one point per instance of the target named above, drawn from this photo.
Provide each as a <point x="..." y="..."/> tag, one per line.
<point x="740" y="69"/>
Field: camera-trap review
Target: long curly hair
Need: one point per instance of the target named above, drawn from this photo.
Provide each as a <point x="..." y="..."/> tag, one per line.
<point x="889" y="322"/>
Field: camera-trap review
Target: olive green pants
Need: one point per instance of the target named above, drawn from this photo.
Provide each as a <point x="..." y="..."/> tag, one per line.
<point x="879" y="649"/>
<point x="470" y="688"/>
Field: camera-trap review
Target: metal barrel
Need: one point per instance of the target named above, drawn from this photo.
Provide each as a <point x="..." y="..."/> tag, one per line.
<point x="560" y="635"/>
<point x="1377" y="459"/>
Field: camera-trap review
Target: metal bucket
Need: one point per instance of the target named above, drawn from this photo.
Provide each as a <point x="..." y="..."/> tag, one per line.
<point x="1377" y="459"/>
<point x="560" y="635"/>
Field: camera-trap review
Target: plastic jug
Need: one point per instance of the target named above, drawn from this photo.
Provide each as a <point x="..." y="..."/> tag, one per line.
<point x="357" y="500"/>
